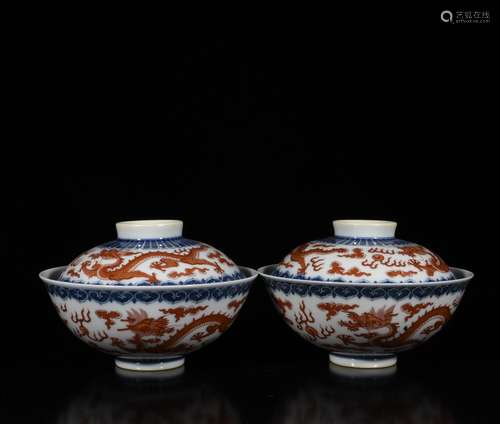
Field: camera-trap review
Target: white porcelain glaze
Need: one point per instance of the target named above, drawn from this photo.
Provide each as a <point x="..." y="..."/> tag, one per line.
<point x="353" y="361"/>
<point x="149" y="229"/>
<point x="354" y="228"/>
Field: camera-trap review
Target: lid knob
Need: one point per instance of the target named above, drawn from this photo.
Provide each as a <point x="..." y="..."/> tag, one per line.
<point x="364" y="228"/>
<point x="149" y="229"/>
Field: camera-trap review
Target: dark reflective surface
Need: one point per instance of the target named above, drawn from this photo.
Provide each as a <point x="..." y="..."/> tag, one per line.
<point x="165" y="397"/>
<point x="295" y="392"/>
<point x="363" y="396"/>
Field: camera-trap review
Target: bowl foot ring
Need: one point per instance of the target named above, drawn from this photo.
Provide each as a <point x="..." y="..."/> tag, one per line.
<point x="363" y="361"/>
<point x="143" y="364"/>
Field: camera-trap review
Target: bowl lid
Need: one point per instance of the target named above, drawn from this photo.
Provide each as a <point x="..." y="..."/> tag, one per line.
<point x="363" y="251"/>
<point x="151" y="252"/>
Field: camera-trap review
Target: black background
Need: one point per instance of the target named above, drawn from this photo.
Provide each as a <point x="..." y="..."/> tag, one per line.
<point x="257" y="142"/>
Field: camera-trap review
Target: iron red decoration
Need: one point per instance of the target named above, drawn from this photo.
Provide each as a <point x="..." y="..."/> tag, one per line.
<point x="151" y="296"/>
<point x="364" y="295"/>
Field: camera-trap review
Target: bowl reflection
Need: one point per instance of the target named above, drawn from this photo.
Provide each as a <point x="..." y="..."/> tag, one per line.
<point x="363" y="397"/>
<point x="134" y="397"/>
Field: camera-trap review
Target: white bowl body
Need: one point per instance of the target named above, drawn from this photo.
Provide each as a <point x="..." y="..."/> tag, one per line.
<point x="365" y="324"/>
<point x="148" y="327"/>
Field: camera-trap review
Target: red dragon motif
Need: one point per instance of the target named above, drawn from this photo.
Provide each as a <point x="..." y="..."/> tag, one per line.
<point x="108" y="317"/>
<point x="356" y="253"/>
<point x="304" y="318"/>
<point x="376" y="320"/>
<point x="299" y="254"/>
<point x="182" y="311"/>
<point x="143" y="326"/>
<point x="435" y="264"/>
<point x="235" y="304"/>
<point x="336" y="268"/>
<point x="83" y="318"/>
<point x="372" y="320"/>
<point x="333" y="309"/>
<point x="381" y="259"/>
<point x="73" y="273"/>
<point x="220" y="258"/>
<point x="187" y="272"/>
<point x="119" y="270"/>
<point x="282" y="305"/>
<point x="153" y="335"/>
<point x="412" y="310"/>
<point x="212" y="323"/>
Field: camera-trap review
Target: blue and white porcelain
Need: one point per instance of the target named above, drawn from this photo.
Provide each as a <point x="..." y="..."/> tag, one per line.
<point x="174" y="295"/>
<point x="151" y="253"/>
<point x="363" y="252"/>
<point x="364" y="295"/>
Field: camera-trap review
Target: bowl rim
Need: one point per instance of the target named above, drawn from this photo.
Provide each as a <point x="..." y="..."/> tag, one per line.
<point x="264" y="272"/>
<point x="47" y="273"/>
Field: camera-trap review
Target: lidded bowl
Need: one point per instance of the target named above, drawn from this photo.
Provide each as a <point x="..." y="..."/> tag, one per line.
<point x="363" y="252"/>
<point x="151" y="253"/>
<point x="149" y="297"/>
<point x="363" y="294"/>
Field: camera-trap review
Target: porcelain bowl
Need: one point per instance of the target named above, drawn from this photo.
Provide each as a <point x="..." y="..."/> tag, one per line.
<point x="148" y="328"/>
<point x="365" y="325"/>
